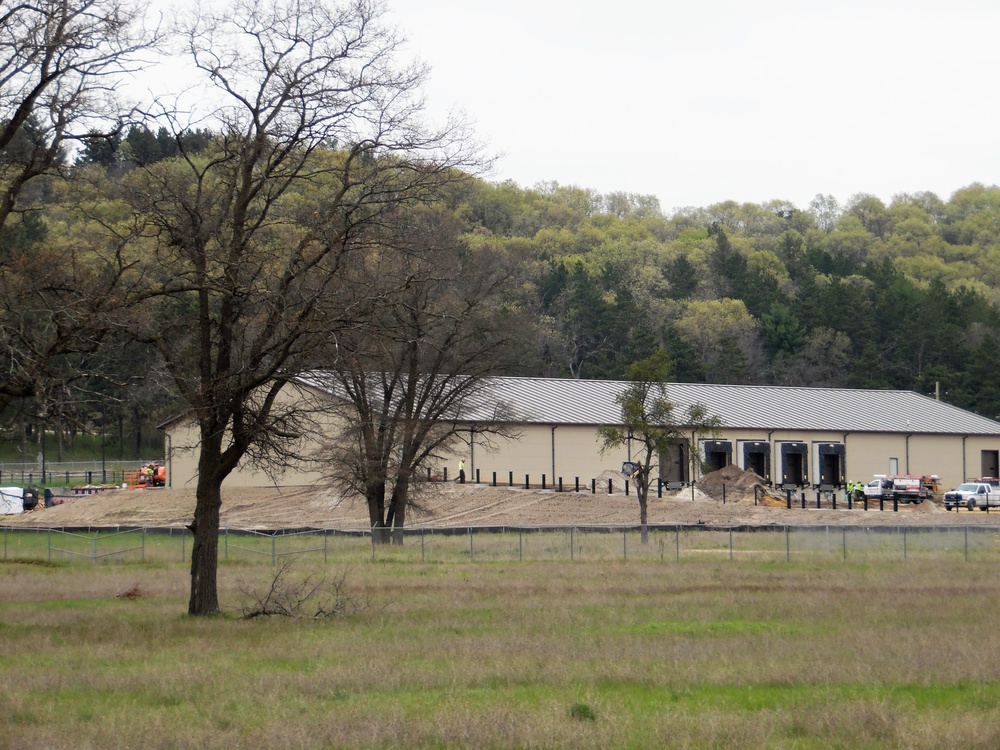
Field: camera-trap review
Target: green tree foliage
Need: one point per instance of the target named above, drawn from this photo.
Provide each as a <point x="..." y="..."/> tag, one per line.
<point x="650" y="420"/>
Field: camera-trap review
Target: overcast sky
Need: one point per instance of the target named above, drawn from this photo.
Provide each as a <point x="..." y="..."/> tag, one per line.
<point x="700" y="102"/>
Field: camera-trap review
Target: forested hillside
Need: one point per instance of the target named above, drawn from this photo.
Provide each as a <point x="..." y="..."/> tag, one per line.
<point x="862" y="295"/>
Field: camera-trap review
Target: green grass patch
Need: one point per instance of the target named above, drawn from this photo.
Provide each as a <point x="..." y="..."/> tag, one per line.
<point x="509" y="654"/>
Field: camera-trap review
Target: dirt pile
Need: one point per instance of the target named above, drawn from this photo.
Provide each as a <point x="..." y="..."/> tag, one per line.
<point x="734" y="485"/>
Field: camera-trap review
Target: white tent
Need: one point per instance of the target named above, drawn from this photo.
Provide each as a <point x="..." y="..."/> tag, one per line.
<point x="11" y="500"/>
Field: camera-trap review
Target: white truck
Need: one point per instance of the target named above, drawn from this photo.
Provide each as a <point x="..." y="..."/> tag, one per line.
<point x="905" y="488"/>
<point x="973" y="495"/>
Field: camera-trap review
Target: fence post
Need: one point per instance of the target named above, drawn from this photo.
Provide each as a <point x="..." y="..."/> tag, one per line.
<point x="510" y="478"/>
<point x="50" y="545"/>
<point x="494" y="479"/>
<point x="445" y="473"/>
<point x="659" y="488"/>
<point x="626" y="488"/>
<point x="593" y="486"/>
<point x="527" y="483"/>
<point x="609" y="486"/>
<point x="803" y="493"/>
<point x="724" y="496"/>
<point x="577" y="485"/>
<point x="477" y="476"/>
<point x="818" y="495"/>
<point x="543" y="482"/>
<point x="788" y="499"/>
<point x="895" y="504"/>
<point x="560" y="484"/>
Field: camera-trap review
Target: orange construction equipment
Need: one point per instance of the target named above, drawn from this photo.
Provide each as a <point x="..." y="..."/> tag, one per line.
<point x="150" y="475"/>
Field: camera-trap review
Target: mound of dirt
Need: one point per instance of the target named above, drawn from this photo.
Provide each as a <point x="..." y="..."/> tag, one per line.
<point x="733" y="484"/>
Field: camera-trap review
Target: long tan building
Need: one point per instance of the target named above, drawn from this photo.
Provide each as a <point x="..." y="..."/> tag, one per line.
<point x="794" y="437"/>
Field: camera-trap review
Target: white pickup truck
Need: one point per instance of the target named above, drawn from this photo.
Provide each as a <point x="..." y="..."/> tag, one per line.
<point x="972" y="495"/>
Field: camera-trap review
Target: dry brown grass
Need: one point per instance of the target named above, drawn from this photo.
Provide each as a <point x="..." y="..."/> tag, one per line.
<point x="688" y="655"/>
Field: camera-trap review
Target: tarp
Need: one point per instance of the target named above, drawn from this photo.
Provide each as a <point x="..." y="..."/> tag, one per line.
<point x="11" y="500"/>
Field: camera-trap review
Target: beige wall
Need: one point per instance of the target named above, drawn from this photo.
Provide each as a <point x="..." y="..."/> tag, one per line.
<point x="575" y="452"/>
<point x="181" y="451"/>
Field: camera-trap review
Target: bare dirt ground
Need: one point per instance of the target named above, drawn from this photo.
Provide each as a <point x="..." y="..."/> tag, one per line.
<point x="453" y="505"/>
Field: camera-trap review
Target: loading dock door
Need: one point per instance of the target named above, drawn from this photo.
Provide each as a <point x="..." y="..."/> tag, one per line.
<point x="828" y="462"/>
<point x="794" y="464"/>
<point x="988" y="463"/>
<point x="674" y="463"/>
<point x="716" y="454"/>
<point x="755" y="456"/>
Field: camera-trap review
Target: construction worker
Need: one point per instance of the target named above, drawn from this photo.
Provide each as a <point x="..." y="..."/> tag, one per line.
<point x="858" y="492"/>
<point x="461" y="471"/>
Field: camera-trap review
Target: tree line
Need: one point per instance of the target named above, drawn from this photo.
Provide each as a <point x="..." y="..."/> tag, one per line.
<point x="864" y="295"/>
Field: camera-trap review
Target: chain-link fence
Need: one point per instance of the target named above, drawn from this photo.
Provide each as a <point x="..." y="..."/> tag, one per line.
<point x="478" y="544"/>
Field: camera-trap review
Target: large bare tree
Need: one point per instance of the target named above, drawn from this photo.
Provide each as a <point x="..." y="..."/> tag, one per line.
<point x="245" y="268"/>
<point x="411" y="377"/>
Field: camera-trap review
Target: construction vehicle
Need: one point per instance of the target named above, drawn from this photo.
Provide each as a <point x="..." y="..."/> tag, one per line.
<point x="150" y="475"/>
<point x="904" y="488"/>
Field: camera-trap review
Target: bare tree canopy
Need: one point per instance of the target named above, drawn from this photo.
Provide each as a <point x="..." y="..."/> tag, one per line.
<point x="60" y="61"/>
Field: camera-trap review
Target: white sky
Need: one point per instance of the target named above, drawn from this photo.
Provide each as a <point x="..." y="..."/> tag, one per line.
<point x="708" y="100"/>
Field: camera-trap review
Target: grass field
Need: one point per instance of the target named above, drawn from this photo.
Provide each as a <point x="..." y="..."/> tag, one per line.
<point x="555" y="654"/>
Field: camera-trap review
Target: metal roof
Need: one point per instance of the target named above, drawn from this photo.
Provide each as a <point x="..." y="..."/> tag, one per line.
<point x="592" y="402"/>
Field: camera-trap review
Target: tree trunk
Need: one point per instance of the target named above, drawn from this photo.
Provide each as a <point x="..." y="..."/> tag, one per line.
<point x="643" y="493"/>
<point x="205" y="551"/>
<point x="398" y="508"/>
<point x="375" y="497"/>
